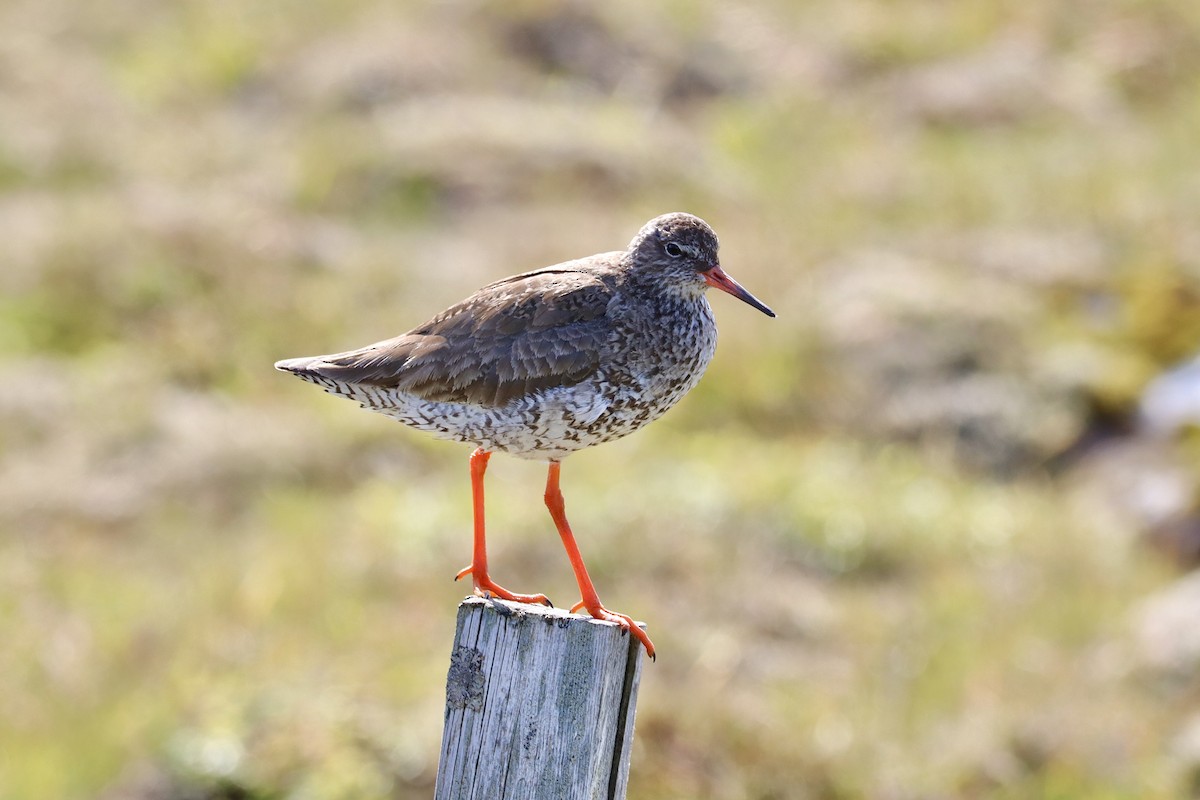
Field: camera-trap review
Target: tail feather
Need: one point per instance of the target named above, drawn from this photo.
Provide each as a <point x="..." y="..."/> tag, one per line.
<point x="298" y="366"/>
<point x="317" y="369"/>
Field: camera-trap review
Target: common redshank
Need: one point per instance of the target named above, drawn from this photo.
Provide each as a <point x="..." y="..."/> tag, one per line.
<point x="548" y="362"/>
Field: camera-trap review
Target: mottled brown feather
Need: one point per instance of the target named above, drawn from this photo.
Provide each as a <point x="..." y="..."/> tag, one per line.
<point x="521" y="335"/>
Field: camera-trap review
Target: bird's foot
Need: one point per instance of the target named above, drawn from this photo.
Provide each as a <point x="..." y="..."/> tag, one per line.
<point x="600" y="612"/>
<point x="486" y="587"/>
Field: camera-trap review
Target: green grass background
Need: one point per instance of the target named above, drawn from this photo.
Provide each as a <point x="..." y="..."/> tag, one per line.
<point x="873" y="553"/>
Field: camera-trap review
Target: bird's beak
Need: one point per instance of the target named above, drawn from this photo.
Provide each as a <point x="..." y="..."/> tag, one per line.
<point x="716" y="277"/>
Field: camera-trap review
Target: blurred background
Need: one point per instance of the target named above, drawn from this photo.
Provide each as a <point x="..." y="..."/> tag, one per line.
<point x="928" y="534"/>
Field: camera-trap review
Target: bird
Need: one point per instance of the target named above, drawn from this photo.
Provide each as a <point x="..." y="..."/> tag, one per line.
<point x="546" y="363"/>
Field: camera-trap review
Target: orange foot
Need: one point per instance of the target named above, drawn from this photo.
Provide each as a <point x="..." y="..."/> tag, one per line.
<point x="486" y="587"/>
<point x="600" y="612"/>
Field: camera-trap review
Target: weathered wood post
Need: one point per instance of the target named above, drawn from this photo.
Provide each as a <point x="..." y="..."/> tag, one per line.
<point x="539" y="705"/>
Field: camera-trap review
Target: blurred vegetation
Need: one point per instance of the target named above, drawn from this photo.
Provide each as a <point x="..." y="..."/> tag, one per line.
<point x="908" y="540"/>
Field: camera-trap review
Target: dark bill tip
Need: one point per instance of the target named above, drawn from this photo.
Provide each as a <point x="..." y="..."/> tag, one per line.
<point x="717" y="278"/>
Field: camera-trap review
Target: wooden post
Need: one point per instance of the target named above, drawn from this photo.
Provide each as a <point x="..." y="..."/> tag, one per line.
<point x="539" y="704"/>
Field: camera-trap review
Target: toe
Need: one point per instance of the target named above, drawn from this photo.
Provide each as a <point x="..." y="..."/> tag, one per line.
<point x="627" y="624"/>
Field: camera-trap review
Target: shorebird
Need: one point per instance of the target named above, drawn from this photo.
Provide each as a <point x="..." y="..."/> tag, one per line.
<point x="549" y="362"/>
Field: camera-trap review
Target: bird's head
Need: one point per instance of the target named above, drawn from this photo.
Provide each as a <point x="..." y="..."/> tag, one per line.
<point x="681" y="249"/>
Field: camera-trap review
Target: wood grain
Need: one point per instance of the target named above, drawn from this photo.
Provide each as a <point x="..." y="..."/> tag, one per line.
<point x="539" y="704"/>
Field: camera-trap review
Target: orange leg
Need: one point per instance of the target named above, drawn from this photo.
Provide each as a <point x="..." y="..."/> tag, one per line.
<point x="590" y="601"/>
<point x="479" y="567"/>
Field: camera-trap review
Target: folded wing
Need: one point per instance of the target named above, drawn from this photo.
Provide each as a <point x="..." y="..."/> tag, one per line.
<point x="518" y="336"/>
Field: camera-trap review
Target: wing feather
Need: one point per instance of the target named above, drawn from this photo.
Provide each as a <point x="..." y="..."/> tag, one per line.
<point x="518" y="336"/>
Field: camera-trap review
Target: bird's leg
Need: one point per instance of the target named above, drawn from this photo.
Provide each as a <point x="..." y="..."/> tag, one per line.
<point x="590" y="601"/>
<point x="479" y="568"/>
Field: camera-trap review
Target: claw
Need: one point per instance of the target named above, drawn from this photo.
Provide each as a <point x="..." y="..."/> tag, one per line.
<point x="627" y="625"/>
<point x="487" y="588"/>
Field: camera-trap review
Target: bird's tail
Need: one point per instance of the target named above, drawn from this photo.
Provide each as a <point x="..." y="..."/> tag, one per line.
<point x="302" y="366"/>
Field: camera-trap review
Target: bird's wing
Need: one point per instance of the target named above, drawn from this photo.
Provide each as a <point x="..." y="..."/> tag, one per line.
<point x="521" y="335"/>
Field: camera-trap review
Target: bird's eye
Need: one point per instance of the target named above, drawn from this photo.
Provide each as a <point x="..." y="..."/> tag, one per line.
<point x="673" y="250"/>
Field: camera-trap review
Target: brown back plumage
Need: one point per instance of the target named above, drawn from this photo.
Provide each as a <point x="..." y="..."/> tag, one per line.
<point x="521" y="335"/>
